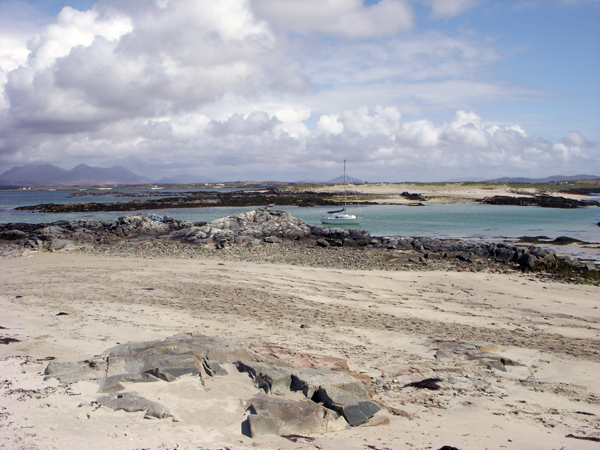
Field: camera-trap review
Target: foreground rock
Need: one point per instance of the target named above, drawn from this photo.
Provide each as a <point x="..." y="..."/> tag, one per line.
<point x="334" y="400"/>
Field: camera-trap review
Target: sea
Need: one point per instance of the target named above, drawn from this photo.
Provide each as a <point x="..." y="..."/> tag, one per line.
<point x="467" y="221"/>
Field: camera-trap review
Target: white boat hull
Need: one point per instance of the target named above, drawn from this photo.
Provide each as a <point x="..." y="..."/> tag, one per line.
<point x="341" y="219"/>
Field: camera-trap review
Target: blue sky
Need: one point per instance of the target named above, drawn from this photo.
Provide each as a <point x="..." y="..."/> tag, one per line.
<point x="422" y="90"/>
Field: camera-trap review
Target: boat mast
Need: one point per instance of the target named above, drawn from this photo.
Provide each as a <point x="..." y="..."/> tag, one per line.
<point x="345" y="212"/>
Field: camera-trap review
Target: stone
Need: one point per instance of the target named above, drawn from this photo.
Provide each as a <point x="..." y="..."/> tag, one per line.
<point x="267" y="376"/>
<point x="272" y="415"/>
<point x="527" y="261"/>
<point x="70" y="372"/>
<point x="309" y="381"/>
<point x="271" y="239"/>
<point x="322" y="243"/>
<point x="355" y="409"/>
<point x="13" y="235"/>
<point x="110" y="385"/>
<point x="214" y="369"/>
<point x="359" y="413"/>
<point x="132" y="402"/>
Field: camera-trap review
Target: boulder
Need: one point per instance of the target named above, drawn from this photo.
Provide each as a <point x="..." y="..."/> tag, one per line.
<point x="13" y="235"/>
<point x="527" y="261"/>
<point x="70" y="372"/>
<point x="132" y="402"/>
<point x="272" y="415"/>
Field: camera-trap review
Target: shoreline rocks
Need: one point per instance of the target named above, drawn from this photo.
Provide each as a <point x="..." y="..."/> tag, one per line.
<point x="250" y="232"/>
<point x="545" y="201"/>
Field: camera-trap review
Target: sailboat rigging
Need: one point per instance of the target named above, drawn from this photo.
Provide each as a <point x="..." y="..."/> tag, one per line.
<point x="341" y="216"/>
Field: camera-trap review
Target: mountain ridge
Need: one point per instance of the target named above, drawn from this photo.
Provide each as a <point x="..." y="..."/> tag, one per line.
<point x="46" y="175"/>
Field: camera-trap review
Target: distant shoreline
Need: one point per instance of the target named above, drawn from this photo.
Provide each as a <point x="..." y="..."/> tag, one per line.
<point x="379" y="194"/>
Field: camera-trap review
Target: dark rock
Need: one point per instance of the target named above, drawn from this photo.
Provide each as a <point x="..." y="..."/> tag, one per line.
<point x="13" y="235"/>
<point x="8" y="340"/>
<point x="527" y="261"/>
<point x="322" y="243"/>
<point x="545" y="201"/>
<point x="349" y="243"/>
<point x="504" y="254"/>
<point x="427" y="383"/>
<point x="62" y="314"/>
<point x="565" y="240"/>
<point x="465" y="257"/>
<point x="359" y="413"/>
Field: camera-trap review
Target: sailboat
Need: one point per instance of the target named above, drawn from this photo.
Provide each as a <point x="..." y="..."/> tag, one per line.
<point x="341" y="216"/>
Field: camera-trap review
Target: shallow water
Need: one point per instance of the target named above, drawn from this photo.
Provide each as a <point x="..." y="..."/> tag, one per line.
<point x="444" y="221"/>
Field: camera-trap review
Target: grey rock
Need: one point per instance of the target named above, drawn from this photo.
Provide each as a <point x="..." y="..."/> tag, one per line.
<point x="132" y="402"/>
<point x="527" y="261"/>
<point x="267" y="376"/>
<point x="271" y="239"/>
<point x="214" y="369"/>
<point x="359" y="413"/>
<point x="272" y="415"/>
<point x="309" y="381"/>
<point x="355" y="409"/>
<point x="110" y="385"/>
<point x="70" y="372"/>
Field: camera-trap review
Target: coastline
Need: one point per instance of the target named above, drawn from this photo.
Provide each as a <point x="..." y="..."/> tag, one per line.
<point x="463" y="344"/>
<point x="330" y="195"/>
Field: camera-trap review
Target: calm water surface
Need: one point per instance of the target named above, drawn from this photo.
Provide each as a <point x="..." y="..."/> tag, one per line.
<point x="456" y="220"/>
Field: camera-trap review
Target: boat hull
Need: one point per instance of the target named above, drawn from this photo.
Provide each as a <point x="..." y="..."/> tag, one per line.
<point x="341" y="221"/>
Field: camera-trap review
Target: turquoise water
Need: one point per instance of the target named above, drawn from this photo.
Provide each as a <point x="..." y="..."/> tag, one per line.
<point x="455" y="220"/>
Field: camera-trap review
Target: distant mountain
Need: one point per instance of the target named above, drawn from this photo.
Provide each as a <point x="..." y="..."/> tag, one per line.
<point x="82" y="175"/>
<point x="551" y="179"/>
<point x="185" y="178"/>
<point x="349" y="179"/>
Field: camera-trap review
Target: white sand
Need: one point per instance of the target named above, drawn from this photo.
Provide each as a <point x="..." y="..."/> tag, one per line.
<point x="436" y="193"/>
<point x="379" y="321"/>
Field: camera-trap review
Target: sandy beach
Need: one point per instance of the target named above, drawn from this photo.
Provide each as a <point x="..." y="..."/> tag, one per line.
<point x="388" y="325"/>
<point x="439" y="193"/>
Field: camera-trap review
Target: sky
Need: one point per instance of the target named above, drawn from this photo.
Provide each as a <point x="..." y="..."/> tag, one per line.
<point x="285" y="90"/>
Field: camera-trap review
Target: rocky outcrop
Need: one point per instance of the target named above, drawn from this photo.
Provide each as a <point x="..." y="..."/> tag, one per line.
<point x="335" y="399"/>
<point x="545" y="201"/>
<point x="270" y="226"/>
<point x="266" y="197"/>
<point x="248" y="228"/>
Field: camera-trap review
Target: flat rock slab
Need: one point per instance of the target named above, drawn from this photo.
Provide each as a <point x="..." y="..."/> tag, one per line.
<point x="132" y="402"/>
<point x="274" y="415"/>
<point x="334" y="399"/>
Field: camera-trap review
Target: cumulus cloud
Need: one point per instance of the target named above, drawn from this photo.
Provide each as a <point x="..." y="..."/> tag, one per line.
<point x="118" y="61"/>
<point x="274" y="89"/>
<point x="350" y="18"/>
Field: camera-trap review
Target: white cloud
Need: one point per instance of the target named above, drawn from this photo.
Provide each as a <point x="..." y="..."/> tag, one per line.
<point x="349" y="18"/>
<point x="330" y="124"/>
<point x="267" y="89"/>
<point x="117" y="61"/>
